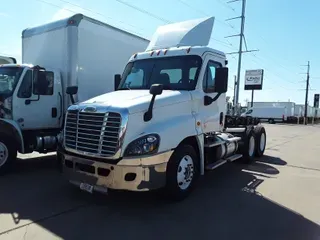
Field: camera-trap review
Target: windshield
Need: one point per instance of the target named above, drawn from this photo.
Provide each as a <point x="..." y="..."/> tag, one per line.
<point x="175" y="73"/>
<point x="9" y="77"/>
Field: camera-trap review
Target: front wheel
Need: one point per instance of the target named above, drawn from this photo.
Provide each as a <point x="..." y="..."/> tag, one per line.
<point x="182" y="172"/>
<point x="8" y="153"/>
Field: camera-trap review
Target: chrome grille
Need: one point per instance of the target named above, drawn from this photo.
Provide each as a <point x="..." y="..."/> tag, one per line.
<point x="93" y="133"/>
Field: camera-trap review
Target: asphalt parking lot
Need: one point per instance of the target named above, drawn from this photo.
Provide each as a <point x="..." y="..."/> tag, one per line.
<point x="278" y="197"/>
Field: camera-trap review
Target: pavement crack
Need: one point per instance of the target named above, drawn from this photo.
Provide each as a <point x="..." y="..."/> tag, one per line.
<point x="25" y="234"/>
<point x="306" y="168"/>
<point x="46" y="218"/>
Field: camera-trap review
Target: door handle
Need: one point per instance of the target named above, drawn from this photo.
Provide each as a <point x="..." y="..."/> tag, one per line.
<point x="54" y="112"/>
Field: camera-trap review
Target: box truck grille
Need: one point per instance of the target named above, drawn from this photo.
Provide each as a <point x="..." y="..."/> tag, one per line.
<point x="94" y="133"/>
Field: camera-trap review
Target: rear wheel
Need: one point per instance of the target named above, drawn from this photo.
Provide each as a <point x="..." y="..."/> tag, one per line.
<point x="261" y="140"/>
<point x="248" y="146"/>
<point x="8" y="153"/>
<point x="182" y="172"/>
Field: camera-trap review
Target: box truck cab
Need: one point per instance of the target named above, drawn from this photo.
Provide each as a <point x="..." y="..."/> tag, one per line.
<point x="34" y="97"/>
<point x="165" y="124"/>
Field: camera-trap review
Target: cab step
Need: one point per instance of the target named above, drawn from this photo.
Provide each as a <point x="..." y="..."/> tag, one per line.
<point x="234" y="157"/>
<point x="216" y="164"/>
<point x="220" y="162"/>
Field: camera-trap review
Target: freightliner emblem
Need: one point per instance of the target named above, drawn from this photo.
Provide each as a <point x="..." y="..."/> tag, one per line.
<point x="90" y="109"/>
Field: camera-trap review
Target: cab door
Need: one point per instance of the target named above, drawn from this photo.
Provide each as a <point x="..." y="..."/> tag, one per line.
<point x="38" y="101"/>
<point x="211" y="114"/>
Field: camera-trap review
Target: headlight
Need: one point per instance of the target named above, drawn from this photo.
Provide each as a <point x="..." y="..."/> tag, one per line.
<point x="144" y="145"/>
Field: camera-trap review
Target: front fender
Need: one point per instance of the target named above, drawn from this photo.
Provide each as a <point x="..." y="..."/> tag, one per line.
<point x="172" y="128"/>
<point x="11" y="128"/>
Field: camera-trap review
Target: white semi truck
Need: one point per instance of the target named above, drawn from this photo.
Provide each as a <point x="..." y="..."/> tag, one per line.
<point x="34" y="98"/>
<point x="165" y="124"/>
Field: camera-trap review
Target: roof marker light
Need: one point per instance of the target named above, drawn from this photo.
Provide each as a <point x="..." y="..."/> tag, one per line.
<point x="135" y="55"/>
<point x="188" y="50"/>
<point x="158" y="52"/>
<point x="151" y="53"/>
<point x="165" y="52"/>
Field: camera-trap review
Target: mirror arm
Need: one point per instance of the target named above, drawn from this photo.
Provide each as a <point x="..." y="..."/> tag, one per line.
<point x="72" y="99"/>
<point x="28" y="101"/>
<point x="212" y="99"/>
<point x="148" y="114"/>
<point x="216" y="97"/>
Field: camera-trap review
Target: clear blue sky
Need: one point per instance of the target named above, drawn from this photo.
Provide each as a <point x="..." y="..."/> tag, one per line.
<point x="285" y="32"/>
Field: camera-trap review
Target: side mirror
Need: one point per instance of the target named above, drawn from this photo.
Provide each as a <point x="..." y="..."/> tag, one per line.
<point x="40" y="82"/>
<point x="156" y="89"/>
<point x="221" y="80"/>
<point x="117" y="80"/>
<point x="72" y="90"/>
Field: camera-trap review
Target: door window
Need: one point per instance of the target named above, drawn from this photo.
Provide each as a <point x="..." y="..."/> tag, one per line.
<point x="25" y="90"/>
<point x="209" y="77"/>
<point x="43" y="85"/>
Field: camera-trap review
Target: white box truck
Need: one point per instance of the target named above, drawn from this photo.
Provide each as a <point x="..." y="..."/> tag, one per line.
<point x="290" y="106"/>
<point x="170" y="125"/>
<point x="267" y="114"/>
<point x="77" y="51"/>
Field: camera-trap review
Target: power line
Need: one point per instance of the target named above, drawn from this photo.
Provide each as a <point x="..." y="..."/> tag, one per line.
<point x="160" y="18"/>
<point x="204" y="13"/>
<point x="86" y="9"/>
<point x="97" y="13"/>
<point x="229" y="45"/>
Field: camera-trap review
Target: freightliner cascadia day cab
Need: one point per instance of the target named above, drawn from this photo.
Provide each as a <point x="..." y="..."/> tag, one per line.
<point x="165" y="124"/>
<point x="75" y="51"/>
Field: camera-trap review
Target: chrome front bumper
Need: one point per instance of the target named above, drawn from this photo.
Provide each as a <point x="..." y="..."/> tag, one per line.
<point x="133" y="174"/>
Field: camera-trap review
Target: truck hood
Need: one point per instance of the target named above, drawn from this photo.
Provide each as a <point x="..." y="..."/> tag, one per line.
<point x="138" y="100"/>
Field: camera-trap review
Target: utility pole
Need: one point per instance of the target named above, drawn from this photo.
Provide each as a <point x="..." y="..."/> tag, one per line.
<point x="234" y="95"/>
<point x="307" y="93"/>
<point x="242" y="38"/>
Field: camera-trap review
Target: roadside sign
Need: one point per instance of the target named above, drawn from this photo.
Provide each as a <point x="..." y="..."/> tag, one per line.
<point x="253" y="79"/>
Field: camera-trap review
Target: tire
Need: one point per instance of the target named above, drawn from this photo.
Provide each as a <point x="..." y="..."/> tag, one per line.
<point x="184" y="158"/>
<point x="261" y="140"/>
<point x="8" y="153"/>
<point x="248" y="146"/>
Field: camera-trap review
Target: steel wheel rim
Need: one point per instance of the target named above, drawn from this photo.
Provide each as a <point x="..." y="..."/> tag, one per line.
<point x="251" y="146"/>
<point x="262" y="141"/>
<point x="185" y="172"/>
<point x="3" y="154"/>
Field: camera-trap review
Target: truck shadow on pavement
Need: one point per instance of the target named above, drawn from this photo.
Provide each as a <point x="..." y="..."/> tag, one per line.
<point x="224" y="205"/>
